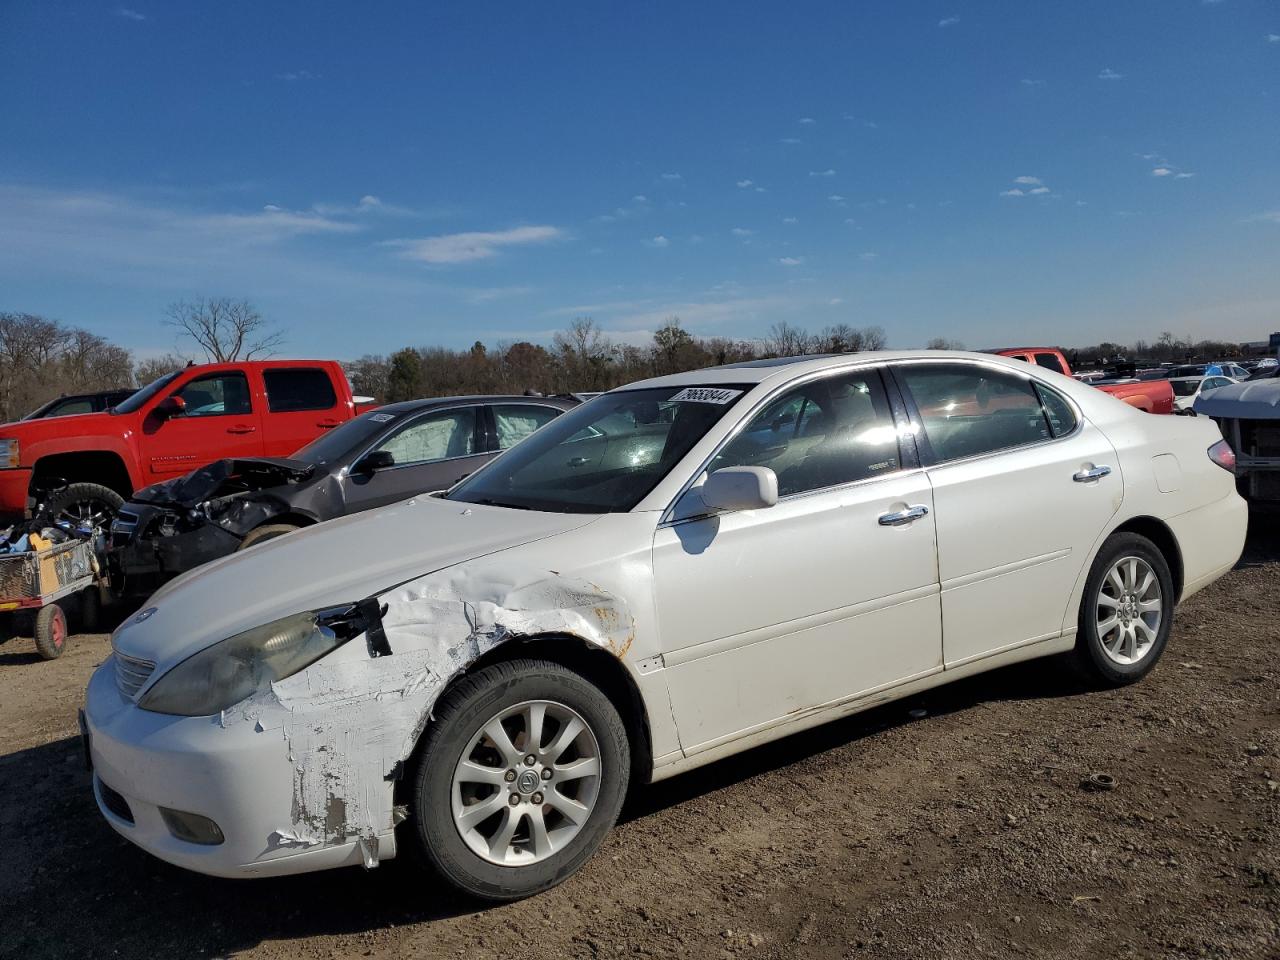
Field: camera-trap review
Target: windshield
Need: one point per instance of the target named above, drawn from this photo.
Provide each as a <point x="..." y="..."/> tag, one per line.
<point x="603" y="457"/>
<point x="332" y="446"/>
<point x="1184" y="388"/>
<point x="145" y="394"/>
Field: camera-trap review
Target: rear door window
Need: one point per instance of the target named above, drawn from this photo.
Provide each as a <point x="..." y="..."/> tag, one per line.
<point x="969" y="410"/>
<point x="515" y="421"/>
<point x="306" y="388"/>
<point x="1049" y="361"/>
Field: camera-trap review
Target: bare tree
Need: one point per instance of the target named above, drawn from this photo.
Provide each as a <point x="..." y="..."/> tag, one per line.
<point x="226" y="330"/>
<point x="784" y="340"/>
<point x="585" y="352"/>
<point x="944" y="343"/>
<point x="153" y="368"/>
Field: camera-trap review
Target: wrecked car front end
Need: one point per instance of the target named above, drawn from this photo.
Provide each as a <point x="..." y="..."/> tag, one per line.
<point x="170" y="528"/>
<point x="1248" y="414"/>
<point x="301" y="773"/>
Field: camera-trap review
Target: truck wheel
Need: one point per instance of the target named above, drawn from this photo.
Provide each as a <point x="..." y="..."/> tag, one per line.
<point x="84" y="505"/>
<point x="51" y="632"/>
<point x="268" y="532"/>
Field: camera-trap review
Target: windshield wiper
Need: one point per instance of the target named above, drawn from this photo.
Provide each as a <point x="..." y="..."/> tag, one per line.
<point x="490" y="502"/>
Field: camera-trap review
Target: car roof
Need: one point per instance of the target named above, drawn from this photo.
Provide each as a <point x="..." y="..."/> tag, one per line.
<point x="786" y="368"/>
<point x="429" y="403"/>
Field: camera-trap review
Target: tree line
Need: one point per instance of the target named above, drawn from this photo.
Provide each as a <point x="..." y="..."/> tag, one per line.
<point x="42" y="358"/>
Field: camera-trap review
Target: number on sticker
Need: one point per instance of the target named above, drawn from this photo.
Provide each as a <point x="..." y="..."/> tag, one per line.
<point x="705" y="395"/>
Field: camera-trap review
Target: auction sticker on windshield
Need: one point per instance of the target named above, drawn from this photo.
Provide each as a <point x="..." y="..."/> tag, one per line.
<point x="705" y="395"/>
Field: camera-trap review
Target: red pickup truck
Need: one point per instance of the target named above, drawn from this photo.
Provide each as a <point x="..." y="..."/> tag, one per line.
<point x="87" y="464"/>
<point x="1153" y="396"/>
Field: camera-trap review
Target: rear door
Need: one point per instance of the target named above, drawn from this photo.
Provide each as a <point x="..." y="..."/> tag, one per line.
<point x="301" y="404"/>
<point x="221" y="420"/>
<point x="432" y="451"/>
<point x="1023" y="486"/>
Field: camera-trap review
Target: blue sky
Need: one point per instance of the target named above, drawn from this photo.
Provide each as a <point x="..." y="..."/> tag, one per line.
<point x="373" y="175"/>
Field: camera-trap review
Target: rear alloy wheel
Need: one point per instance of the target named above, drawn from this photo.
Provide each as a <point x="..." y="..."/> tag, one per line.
<point x="521" y="776"/>
<point x="1127" y="610"/>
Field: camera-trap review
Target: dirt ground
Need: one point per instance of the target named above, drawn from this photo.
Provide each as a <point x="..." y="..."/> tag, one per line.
<point x="961" y="833"/>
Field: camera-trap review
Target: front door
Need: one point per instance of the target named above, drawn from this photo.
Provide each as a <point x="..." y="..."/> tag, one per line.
<point x="772" y="613"/>
<point x="220" y="420"/>
<point x="1023" y="487"/>
<point x="431" y="452"/>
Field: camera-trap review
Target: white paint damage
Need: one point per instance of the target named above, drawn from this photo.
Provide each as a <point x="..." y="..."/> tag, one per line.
<point x="351" y="718"/>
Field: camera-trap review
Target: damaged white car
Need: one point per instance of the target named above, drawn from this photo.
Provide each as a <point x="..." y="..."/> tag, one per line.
<point x="674" y="572"/>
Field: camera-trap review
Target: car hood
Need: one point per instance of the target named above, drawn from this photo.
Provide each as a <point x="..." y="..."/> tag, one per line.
<point x="1252" y="400"/>
<point x="223" y="477"/>
<point x="70" y="425"/>
<point x="331" y="563"/>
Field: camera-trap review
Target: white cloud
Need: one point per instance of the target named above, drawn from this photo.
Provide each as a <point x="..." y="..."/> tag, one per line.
<point x="1015" y="192"/>
<point x="467" y="247"/>
<point x="791" y="261"/>
<point x="1268" y="216"/>
<point x="869" y="255"/>
<point x="836" y="198"/>
<point x="1183" y="176"/>
<point x="807" y="120"/>
<point x="835" y="301"/>
<point x="761" y="190"/>
<point x="660" y="241"/>
<point x="791" y="141"/>
<point x="790" y="220"/>
<point x="1038" y="191"/>
<point x="1029" y="82"/>
<point x="639" y="198"/>
<point x="126" y="14"/>
<point x="822" y="173"/>
<point x="948" y="21"/>
<point x="1108" y="74"/>
<point x="671" y="176"/>
<point x="746" y="183"/>
<point x="1162" y="172"/>
<point x="850" y="222"/>
<point x="742" y="232"/>
<point x="296" y="75"/>
<point x="1273" y="38"/>
<point x="1028" y="181"/>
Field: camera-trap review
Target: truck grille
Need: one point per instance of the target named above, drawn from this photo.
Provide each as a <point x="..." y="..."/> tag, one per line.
<point x="132" y="673"/>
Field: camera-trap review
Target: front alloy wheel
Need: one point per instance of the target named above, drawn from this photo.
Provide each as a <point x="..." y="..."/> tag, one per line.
<point x="1129" y="610"/>
<point x="519" y="777"/>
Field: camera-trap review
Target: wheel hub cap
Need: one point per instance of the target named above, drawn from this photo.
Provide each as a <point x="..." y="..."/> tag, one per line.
<point x="1129" y="610"/>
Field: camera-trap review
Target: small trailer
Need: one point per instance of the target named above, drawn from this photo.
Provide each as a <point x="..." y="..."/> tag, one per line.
<point x="37" y="588"/>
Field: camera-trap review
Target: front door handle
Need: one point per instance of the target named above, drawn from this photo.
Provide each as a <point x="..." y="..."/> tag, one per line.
<point x="909" y="515"/>
<point x="328" y="424"/>
<point x="576" y="461"/>
<point x="241" y="428"/>
<point x="1093" y="473"/>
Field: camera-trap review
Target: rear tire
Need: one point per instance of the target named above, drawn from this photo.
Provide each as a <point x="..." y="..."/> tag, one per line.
<point x="1126" y="612"/>
<point x="51" y="632"/>
<point x="267" y="532"/>
<point x="520" y="838"/>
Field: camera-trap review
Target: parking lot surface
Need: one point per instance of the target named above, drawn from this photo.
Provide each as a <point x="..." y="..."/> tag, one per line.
<point x="955" y="824"/>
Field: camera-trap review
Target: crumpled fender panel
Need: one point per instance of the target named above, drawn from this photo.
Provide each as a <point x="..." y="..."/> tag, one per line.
<point x="350" y="720"/>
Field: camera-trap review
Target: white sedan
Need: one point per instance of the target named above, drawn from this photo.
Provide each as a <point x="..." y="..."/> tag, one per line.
<point x="673" y="572"/>
<point x="1187" y="389"/>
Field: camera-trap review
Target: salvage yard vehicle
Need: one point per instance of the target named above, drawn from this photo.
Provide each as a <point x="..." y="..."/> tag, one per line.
<point x="1150" y="396"/>
<point x="88" y="464"/>
<point x="1248" y="414"/>
<point x="669" y="574"/>
<point x="386" y="455"/>
<point x="1186" y="390"/>
<point x="76" y="403"/>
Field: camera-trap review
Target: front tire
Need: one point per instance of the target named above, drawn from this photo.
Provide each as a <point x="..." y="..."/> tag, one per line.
<point x="1126" y="612"/>
<point x="520" y="777"/>
<point x="264" y="533"/>
<point x="88" y="506"/>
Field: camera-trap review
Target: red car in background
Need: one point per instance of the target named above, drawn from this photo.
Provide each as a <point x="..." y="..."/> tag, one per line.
<point x="82" y="467"/>
<point x="1152" y="396"/>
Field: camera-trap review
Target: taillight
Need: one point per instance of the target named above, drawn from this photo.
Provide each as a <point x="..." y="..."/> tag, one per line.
<point x="1222" y="454"/>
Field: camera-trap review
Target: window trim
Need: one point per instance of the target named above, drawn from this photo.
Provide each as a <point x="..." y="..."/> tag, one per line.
<point x="248" y="390"/>
<point x="476" y="433"/>
<point x="905" y="429"/>
<point x="928" y="456"/>
<point x="266" y="389"/>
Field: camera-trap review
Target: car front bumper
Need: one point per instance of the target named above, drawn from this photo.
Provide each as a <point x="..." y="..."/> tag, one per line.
<point x="239" y="775"/>
<point x="142" y="559"/>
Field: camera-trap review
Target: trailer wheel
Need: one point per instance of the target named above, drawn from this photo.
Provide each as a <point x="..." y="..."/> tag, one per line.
<point x="51" y="632"/>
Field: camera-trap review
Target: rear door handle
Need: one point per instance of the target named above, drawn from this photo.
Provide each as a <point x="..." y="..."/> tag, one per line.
<point x="909" y="515"/>
<point x="1094" y="473"/>
<point x="576" y="461"/>
<point x="329" y="424"/>
<point x="241" y="428"/>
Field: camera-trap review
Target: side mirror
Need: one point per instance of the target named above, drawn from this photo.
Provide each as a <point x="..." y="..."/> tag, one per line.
<point x="375" y="461"/>
<point x="173" y="406"/>
<point x="740" y="488"/>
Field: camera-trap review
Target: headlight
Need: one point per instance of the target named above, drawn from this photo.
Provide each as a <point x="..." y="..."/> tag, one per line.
<point x="227" y="672"/>
<point x="9" y="454"/>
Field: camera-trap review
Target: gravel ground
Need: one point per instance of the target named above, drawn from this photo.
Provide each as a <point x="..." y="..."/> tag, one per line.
<point x="964" y="832"/>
